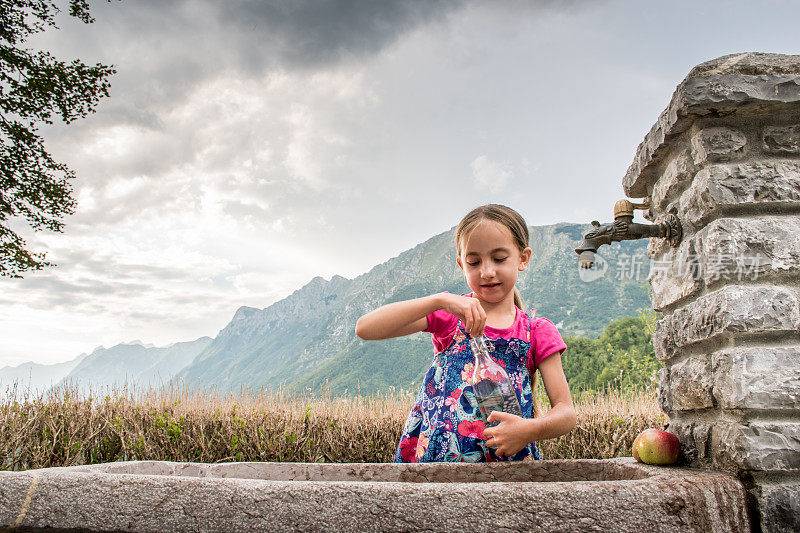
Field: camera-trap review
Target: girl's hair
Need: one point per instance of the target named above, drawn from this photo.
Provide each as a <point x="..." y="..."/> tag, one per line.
<point x="519" y="230"/>
<point x="503" y="215"/>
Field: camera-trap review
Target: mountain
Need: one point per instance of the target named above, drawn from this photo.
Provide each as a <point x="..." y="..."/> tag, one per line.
<point x="34" y="377"/>
<point x="307" y="340"/>
<point x="134" y="362"/>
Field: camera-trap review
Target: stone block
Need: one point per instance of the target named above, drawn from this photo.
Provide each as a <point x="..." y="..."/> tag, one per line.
<point x="677" y="175"/>
<point x="690" y="384"/>
<point x="664" y="392"/>
<point x="729" y="311"/>
<point x="695" y="438"/>
<point x="701" y="436"/>
<point x="674" y="273"/>
<point x="757" y="378"/>
<point x="782" y="139"/>
<point x="662" y="340"/>
<point x="717" y="144"/>
<point x="735" y="249"/>
<point x="656" y="248"/>
<point x="758" y="446"/>
<point x="759" y="185"/>
<point x="727" y="249"/>
<point x="779" y="506"/>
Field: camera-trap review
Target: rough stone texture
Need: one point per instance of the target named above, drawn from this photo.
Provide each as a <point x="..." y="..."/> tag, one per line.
<point x="778" y="506"/>
<point x="724" y="157"/>
<point x="762" y="378"/>
<point x="726" y="312"/>
<point x="782" y="139"/>
<point x="757" y="378"/>
<point x="717" y="144"/>
<point x="677" y="175"/>
<point x="690" y="384"/>
<point x="757" y="186"/>
<point x="695" y="439"/>
<point x="726" y="250"/>
<point x="674" y="273"/>
<point x="746" y="249"/>
<point x="664" y="390"/>
<point x="758" y="446"/>
<point x="540" y="471"/>
<point x="656" y="499"/>
<point x="733" y="85"/>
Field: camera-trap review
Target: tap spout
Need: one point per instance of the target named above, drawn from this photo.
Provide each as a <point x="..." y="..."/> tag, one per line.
<point x="624" y="228"/>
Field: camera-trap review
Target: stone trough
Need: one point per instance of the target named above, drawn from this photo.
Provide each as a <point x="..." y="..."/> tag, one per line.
<point x="579" y="495"/>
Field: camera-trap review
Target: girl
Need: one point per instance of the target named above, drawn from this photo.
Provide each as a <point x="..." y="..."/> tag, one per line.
<point x="444" y="424"/>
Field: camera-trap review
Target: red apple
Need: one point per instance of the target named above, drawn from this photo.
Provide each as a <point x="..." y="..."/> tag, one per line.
<point x="656" y="447"/>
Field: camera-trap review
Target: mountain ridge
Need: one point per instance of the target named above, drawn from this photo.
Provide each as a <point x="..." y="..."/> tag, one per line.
<point x="307" y="339"/>
<point x="304" y="340"/>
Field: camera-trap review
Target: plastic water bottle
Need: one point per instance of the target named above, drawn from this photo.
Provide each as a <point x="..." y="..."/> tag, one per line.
<point x="493" y="390"/>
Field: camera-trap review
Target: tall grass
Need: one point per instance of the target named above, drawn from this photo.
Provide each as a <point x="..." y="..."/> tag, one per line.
<point x="65" y="427"/>
<point x="608" y="422"/>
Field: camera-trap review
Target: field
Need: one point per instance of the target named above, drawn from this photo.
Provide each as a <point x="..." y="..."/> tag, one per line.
<point x="65" y="428"/>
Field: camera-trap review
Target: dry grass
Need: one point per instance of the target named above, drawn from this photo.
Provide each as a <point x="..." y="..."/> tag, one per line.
<point x="608" y="423"/>
<point x="64" y="428"/>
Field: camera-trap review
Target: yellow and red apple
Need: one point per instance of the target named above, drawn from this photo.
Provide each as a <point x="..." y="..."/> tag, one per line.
<point x="656" y="447"/>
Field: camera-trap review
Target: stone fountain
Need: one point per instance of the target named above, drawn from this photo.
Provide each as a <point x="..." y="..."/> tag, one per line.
<point x="724" y="158"/>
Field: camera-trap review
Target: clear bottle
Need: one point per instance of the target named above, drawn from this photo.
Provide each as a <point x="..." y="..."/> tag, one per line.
<point x="493" y="390"/>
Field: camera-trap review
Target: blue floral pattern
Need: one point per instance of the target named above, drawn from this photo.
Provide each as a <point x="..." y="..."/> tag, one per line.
<point x="443" y="424"/>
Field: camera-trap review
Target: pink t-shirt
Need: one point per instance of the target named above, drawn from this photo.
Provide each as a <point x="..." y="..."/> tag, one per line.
<point x="545" y="339"/>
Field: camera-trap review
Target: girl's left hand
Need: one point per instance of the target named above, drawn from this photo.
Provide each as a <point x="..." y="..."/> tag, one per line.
<point x="510" y="435"/>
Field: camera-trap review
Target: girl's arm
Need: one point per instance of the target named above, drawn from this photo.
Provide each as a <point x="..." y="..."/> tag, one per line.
<point x="403" y="318"/>
<point x="513" y="432"/>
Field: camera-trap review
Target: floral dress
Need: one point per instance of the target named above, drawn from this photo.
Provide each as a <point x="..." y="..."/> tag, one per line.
<point x="444" y="424"/>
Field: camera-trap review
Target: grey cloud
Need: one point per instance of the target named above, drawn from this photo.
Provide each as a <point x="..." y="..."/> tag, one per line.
<point x="98" y="261"/>
<point x="50" y="292"/>
<point x="66" y="287"/>
<point x="146" y="317"/>
<point x="207" y="37"/>
<point x="310" y="33"/>
<point x="164" y="50"/>
<point x="70" y="291"/>
<point x="87" y="221"/>
<point x="84" y="287"/>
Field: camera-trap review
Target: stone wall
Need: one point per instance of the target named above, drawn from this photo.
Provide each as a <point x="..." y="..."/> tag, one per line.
<point x="725" y="158"/>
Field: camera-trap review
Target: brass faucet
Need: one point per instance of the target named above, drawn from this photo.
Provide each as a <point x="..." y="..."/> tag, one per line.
<point x="624" y="229"/>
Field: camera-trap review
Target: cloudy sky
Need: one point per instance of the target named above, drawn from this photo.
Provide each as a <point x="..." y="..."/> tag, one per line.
<point x="248" y="146"/>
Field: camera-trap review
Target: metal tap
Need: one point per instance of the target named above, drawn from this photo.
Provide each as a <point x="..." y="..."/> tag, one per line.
<point x="624" y="229"/>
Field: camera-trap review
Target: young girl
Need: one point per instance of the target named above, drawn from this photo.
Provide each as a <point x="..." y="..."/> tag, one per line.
<point x="444" y="424"/>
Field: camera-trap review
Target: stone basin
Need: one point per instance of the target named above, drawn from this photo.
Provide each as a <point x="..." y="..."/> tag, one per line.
<point x="556" y="495"/>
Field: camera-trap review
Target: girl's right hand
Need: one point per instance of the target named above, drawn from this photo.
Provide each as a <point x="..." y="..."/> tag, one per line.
<point x="468" y="309"/>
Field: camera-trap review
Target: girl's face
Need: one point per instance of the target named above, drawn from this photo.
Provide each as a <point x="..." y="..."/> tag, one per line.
<point x="491" y="261"/>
